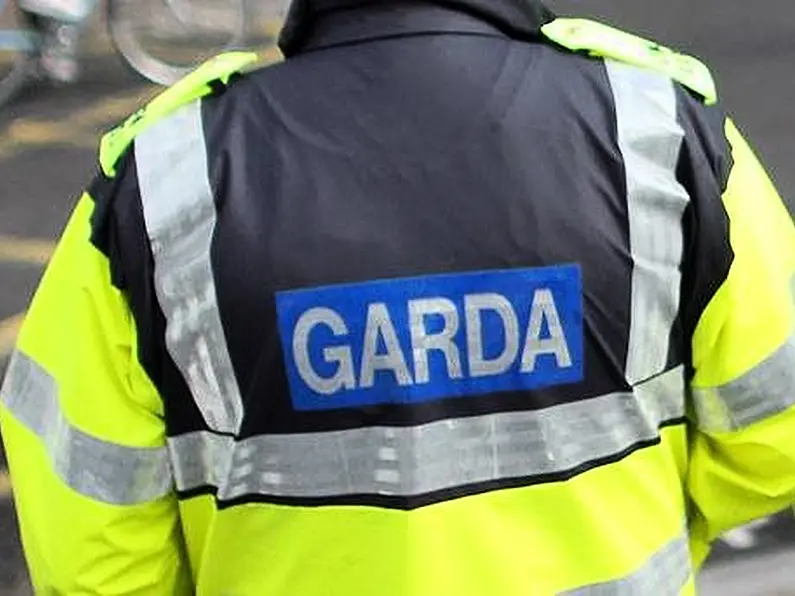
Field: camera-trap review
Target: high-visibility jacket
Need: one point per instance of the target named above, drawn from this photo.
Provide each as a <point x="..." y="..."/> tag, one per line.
<point x="458" y="299"/>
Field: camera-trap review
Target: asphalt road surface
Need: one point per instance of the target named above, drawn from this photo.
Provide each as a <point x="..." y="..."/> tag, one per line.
<point x="47" y="154"/>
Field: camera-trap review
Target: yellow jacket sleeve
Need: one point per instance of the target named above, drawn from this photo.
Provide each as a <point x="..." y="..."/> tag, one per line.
<point x="743" y="390"/>
<point x="83" y="430"/>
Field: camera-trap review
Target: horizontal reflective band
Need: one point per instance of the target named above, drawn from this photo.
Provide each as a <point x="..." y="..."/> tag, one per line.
<point x="666" y="573"/>
<point x="766" y="390"/>
<point x="650" y="138"/>
<point x="411" y="461"/>
<point x="106" y="472"/>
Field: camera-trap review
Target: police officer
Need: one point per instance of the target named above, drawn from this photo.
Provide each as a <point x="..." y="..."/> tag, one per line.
<point x="461" y="298"/>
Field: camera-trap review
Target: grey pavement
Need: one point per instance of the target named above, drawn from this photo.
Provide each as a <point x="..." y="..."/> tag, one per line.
<point x="46" y="157"/>
<point x="768" y="574"/>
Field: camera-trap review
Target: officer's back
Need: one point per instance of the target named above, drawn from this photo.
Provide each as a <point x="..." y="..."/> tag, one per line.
<point x="422" y="261"/>
<point x="439" y="305"/>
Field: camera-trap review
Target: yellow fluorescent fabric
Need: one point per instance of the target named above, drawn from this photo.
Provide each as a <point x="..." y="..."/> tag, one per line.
<point x="753" y="313"/>
<point x="740" y="474"/>
<point x="193" y="86"/>
<point x="79" y="334"/>
<point x="602" y="40"/>
<point x="540" y="540"/>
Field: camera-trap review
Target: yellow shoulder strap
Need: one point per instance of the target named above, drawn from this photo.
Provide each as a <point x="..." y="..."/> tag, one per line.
<point x="192" y="87"/>
<point x="606" y="42"/>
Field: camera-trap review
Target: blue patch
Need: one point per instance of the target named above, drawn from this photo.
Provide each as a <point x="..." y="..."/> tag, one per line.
<point x="419" y="339"/>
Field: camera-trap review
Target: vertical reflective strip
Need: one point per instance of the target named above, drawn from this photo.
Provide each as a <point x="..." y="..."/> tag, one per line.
<point x="650" y="139"/>
<point x="179" y="209"/>
<point x="103" y="471"/>
<point x="665" y="573"/>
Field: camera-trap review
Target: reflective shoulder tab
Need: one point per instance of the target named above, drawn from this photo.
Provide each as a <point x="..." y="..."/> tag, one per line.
<point x="190" y="88"/>
<point x="606" y="42"/>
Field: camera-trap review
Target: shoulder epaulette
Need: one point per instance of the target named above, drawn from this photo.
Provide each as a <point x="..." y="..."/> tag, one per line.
<point x="193" y="86"/>
<point x="582" y="35"/>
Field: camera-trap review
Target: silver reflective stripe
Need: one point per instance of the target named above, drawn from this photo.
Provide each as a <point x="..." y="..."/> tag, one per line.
<point x="406" y="461"/>
<point x="766" y="390"/>
<point x="103" y="471"/>
<point x="665" y="573"/>
<point x="650" y="139"/>
<point x="179" y="211"/>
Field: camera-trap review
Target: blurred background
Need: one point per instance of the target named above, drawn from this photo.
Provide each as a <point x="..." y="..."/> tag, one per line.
<point x="101" y="60"/>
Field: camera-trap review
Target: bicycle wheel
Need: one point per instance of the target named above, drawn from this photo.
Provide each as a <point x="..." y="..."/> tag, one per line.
<point x="165" y="39"/>
<point x="18" y="62"/>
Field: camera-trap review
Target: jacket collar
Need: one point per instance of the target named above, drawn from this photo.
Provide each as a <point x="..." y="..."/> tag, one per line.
<point x="312" y="24"/>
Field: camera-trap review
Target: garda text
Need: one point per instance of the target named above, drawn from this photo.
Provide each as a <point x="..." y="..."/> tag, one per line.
<point x="425" y="338"/>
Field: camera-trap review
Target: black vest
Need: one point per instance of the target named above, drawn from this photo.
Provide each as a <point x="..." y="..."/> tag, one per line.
<point x="400" y="150"/>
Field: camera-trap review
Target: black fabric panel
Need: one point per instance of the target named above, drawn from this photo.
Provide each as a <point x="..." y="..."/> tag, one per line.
<point x="102" y="191"/>
<point x="352" y="164"/>
<point x="704" y="167"/>
<point x="406" y="157"/>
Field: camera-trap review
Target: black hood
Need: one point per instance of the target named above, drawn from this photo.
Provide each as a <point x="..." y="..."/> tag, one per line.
<point x="520" y="19"/>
